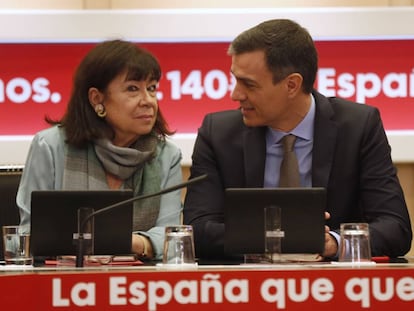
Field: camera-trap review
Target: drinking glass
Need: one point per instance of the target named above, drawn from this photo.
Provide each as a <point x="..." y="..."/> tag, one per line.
<point x="179" y="245"/>
<point x="16" y="244"/>
<point x="355" y="243"/>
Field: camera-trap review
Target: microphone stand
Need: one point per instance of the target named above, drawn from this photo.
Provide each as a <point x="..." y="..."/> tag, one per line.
<point x="85" y="223"/>
<point x="80" y="249"/>
<point x="79" y="254"/>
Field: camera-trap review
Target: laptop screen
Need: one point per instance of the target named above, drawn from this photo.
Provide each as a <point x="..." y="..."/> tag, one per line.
<point x="302" y="214"/>
<point x="54" y="221"/>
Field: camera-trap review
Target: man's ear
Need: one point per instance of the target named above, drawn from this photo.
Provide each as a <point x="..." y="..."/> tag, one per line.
<point x="294" y="84"/>
<point x="95" y="96"/>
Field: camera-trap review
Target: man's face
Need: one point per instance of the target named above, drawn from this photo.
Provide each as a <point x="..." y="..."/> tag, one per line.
<point x="262" y="102"/>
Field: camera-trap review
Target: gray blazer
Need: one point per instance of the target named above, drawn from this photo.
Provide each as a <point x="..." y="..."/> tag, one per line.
<point x="351" y="159"/>
<point x="44" y="171"/>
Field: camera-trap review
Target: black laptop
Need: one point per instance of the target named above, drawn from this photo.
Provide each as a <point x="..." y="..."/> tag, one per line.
<point x="54" y="221"/>
<point x="303" y="219"/>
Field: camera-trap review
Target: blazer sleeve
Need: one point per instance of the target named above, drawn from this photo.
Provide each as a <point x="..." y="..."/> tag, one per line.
<point x="382" y="199"/>
<point x="42" y="171"/>
<point x="170" y="203"/>
<point x="203" y="206"/>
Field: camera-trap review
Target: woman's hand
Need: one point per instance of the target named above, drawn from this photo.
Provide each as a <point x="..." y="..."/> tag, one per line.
<point x="142" y="246"/>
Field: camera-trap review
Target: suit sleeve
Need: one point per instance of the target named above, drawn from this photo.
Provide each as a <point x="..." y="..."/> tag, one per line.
<point x="203" y="206"/>
<point x="382" y="199"/>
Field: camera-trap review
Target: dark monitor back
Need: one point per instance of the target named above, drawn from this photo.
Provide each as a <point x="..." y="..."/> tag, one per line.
<point x="302" y="214"/>
<point x="54" y="220"/>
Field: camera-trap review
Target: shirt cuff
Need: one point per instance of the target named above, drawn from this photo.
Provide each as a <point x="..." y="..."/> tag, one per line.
<point x="338" y="241"/>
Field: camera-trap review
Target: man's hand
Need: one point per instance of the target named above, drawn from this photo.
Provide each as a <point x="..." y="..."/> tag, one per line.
<point x="331" y="246"/>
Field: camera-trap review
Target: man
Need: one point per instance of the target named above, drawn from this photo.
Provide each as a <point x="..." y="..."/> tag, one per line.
<point x="340" y="145"/>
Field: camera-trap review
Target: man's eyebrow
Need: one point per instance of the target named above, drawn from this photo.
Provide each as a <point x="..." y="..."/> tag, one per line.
<point x="244" y="79"/>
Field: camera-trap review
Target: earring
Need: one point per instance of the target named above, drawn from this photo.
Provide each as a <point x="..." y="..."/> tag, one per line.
<point x="100" y="110"/>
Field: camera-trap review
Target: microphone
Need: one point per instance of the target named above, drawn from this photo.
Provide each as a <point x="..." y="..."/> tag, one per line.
<point x="79" y="255"/>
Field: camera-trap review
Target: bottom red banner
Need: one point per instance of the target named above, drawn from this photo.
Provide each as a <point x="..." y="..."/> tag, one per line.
<point x="380" y="287"/>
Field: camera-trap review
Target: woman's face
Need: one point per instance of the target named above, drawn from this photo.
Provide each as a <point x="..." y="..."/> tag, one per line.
<point x="131" y="108"/>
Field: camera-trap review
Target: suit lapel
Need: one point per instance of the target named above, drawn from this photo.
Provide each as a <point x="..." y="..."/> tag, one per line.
<point x="254" y="146"/>
<point x="325" y="133"/>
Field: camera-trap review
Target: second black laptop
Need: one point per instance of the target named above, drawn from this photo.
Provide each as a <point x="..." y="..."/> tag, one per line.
<point x="303" y="219"/>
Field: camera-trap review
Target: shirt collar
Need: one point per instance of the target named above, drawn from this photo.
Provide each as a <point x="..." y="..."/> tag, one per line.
<point x="303" y="130"/>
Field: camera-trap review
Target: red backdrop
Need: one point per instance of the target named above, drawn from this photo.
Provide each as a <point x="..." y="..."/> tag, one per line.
<point x="35" y="80"/>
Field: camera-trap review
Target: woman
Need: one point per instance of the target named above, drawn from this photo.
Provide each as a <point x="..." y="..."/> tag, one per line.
<point x="112" y="136"/>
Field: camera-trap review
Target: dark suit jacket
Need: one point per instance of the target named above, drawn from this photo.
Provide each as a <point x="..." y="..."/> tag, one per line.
<point x="351" y="159"/>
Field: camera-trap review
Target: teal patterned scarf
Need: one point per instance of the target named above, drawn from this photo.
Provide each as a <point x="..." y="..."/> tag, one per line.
<point x="137" y="166"/>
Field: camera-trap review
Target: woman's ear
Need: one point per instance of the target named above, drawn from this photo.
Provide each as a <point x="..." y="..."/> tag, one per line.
<point x="95" y="97"/>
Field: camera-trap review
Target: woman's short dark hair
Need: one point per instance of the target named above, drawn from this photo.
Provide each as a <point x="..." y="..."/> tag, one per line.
<point x="99" y="67"/>
<point x="288" y="48"/>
